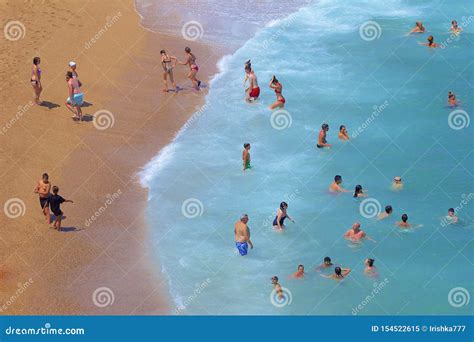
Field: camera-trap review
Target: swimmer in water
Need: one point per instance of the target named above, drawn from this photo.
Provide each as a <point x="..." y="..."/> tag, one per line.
<point x="453" y="219"/>
<point x="452" y="101"/>
<point x="277" y="287"/>
<point x="370" y="269"/>
<point x="455" y="28"/>
<point x="246" y="156"/>
<point x="168" y="63"/>
<point x="278" y="222"/>
<point x="419" y="28"/>
<point x="343" y="135"/>
<point x="326" y="263"/>
<point x="336" y="185"/>
<point x="388" y="211"/>
<point x="358" y="192"/>
<point x="253" y="91"/>
<point x="278" y="88"/>
<point x="356" y="234"/>
<point x="404" y="222"/>
<point x="339" y="273"/>
<point x="322" y="142"/>
<point x="431" y="44"/>
<point x="299" y="273"/>
<point x="397" y="183"/>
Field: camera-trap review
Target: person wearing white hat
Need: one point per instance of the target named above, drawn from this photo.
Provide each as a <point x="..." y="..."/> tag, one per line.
<point x="397" y="183"/>
<point x="73" y="67"/>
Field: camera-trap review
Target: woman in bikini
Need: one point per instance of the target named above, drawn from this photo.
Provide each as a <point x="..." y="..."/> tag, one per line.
<point x="76" y="98"/>
<point x="275" y="85"/>
<point x="168" y="63"/>
<point x="191" y="61"/>
<point x="36" y="79"/>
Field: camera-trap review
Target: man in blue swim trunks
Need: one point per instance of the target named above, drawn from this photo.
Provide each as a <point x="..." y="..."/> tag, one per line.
<point x="76" y="97"/>
<point x="242" y="235"/>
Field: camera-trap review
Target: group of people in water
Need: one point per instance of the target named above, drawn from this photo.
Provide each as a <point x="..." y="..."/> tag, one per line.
<point x="75" y="98"/>
<point x="355" y="233"/>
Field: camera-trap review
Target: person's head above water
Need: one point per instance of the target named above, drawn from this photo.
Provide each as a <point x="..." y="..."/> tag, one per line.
<point x="454" y="23"/>
<point x="451" y="212"/>
<point x="369" y="262"/>
<point x="388" y="209"/>
<point x="397" y="179"/>
<point x="342" y="128"/>
<point x="404" y="217"/>
<point x="419" y="24"/>
<point x="325" y="127"/>
<point x="300" y="268"/>
<point x="338" y="271"/>
<point x="247" y="146"/>
<point x="283" y="205"/>
<point x="356" y="227"/>
<point x="187" y="49"/>
<point x="327" y="260"/>
<point x="430" y="40"/>
<point x="274" y="279"/>
<point x="338" y="179"/>
<point x="244" y="218"/>
<point x="358" y="190"/>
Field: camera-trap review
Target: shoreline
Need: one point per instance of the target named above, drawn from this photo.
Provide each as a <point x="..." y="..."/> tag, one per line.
<point x="97" y="168"/>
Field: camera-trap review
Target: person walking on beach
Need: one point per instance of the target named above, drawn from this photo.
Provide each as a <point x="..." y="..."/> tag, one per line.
<point x="76" y="98"/>
<point x="43" y="189"/>
<point x="168" y="63"/>
<point x="36" y="79"/>
<point x="253" y="90"/>
<point x="246" y="156"/>
<point x="322" y="142"/>
<point x="55" y="202"/>
<point x="278" y="222"/>
<point x="278" y="88"/>
<point x="242" y="235"/>
<point x="191" y="61"/>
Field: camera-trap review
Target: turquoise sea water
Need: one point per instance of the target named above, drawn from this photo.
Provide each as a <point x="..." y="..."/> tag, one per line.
<point x="391" y="93"/>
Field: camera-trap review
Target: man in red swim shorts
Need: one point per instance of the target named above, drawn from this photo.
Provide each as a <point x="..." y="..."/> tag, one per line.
<point x="253" y="91"/>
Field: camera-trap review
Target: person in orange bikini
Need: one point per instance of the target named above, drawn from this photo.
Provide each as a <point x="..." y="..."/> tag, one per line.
<point x="275" y="85"/>
<point x="191" y="61"/>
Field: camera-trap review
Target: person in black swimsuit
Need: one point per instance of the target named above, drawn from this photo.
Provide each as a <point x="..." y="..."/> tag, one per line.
<point x="55" y="203"/>
<point x="278" y="222"/>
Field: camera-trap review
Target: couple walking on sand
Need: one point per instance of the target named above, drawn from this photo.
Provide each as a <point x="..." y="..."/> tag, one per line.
<point x="169" y="62"/>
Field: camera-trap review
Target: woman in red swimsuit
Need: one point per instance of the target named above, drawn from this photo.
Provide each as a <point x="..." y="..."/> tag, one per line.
<point x="191" y="61"/>
<point x="275" y="85"/>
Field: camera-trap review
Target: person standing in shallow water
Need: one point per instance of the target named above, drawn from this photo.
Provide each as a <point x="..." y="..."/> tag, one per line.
<point x="278" y="222"/>
<point x="191" y="61"/>
<point x="242" y="235"/>
<point x="322" y="142"/>
<point x="246" y="156"/>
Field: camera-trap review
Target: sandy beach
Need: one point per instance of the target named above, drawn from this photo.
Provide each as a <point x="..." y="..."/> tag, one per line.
<point x="105" y="242"/>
